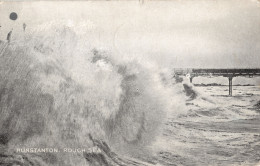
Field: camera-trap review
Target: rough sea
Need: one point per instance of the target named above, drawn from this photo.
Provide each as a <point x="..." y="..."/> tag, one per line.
<point x="217" y="129"/>
<point x="59" y="90"/>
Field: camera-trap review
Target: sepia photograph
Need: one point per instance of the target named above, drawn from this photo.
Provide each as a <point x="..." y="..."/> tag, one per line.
<point x="130" y="83"/>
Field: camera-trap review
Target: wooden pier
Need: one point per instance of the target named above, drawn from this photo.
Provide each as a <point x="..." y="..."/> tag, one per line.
<point x="229" y="73"/>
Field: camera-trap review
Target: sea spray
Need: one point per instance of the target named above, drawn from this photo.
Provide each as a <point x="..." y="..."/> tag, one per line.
<point x="54" y="93"/>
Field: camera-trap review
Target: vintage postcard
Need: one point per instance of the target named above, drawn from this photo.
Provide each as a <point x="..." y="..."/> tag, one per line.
<point x="130" y="83"/>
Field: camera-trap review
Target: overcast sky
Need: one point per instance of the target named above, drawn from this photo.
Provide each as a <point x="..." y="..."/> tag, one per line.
<point x="203" y="33"/>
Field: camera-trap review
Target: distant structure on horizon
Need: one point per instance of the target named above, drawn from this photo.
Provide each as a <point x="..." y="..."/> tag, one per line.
<point x="229" y="73"/>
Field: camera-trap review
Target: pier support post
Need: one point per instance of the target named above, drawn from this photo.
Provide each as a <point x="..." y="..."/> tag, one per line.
<point x="191" y="79"/>
<point x="230" y="85"/>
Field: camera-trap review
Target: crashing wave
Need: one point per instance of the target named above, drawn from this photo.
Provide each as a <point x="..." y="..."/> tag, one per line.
<point x="55" y="92"/>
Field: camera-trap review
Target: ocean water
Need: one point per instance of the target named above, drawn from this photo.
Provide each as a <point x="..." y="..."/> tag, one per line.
<point x="60" y="90"/>
<point x="217" y="129"/>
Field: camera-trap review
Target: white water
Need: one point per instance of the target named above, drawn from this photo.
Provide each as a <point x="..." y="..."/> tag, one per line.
<point x="223" y="132"/>
<point x="57" y="87"/>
